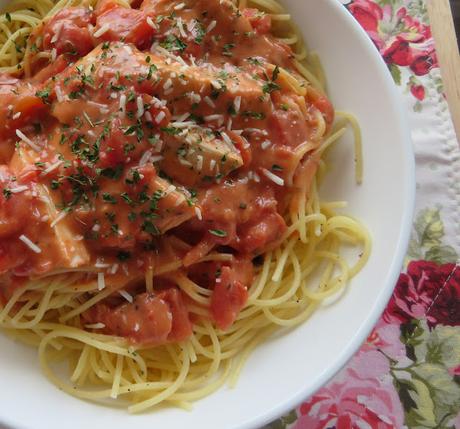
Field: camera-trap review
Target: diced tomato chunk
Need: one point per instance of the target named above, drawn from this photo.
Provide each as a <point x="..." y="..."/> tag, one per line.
<point x="12" y="255"/>
<point x="68" y="31"/>
<point x="322" y="103"/>
<point x="261" y="233"/>
<point x="243" y="147"/>
<point x="18" y="108"/>
<point x="51" y="70"/>
<point x="111" y="152"/>
<point x="129" y="25"/>
<point x="105" y="5"/>
<point x="149" y="319"/>
<point x="228" y="298"/>
<point x="260" y="22"/>
<point x="14" y="208"/>
<point x="288" y="128"/>
<point x="181" y="326"/>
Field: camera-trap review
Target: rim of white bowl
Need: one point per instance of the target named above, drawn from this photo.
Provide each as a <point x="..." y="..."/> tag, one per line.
<point x="394" y="269"/>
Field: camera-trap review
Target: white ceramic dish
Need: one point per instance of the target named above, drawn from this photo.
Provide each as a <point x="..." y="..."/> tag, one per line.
<point x="286" y="370"/>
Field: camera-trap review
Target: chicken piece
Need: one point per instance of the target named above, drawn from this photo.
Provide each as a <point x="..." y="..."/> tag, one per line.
<point x="197" y="154"/>
<point x="173" y="207"/>
<point x="57" y="236"/>
<point x="161" y="75"/>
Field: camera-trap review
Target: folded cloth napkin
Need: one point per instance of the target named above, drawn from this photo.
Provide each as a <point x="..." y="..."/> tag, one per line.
<point x="407" y="373"/>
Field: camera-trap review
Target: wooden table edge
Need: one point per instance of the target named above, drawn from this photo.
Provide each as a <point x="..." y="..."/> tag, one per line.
<point x="442" y="26"/>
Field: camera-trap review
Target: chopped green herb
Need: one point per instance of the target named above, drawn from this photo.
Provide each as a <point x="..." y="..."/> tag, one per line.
<point x="127" y="198"/>
<point x="7" y="193"/>
<point x="255" y="115"/>
<point x="123" y="255"/>
<point x="44" y="95"/>
<point x="150" y="228"/>
<point x="218" y="232"/>
<point x="108" y="198"/>
<point x="173" y="131"/>
<point x="173" y="43"/>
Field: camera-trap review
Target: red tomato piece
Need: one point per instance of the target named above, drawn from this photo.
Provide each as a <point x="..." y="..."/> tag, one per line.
<point x="260" y="22"/>
<point x="68" y="31"/>
<point x="228" y="298"/>
<point x="14" y="208"/>
<point x="243" y="147"/>
<point x="129" y="25"/>
<point x="105" y="5"/>
<point x="322" y="103"/>
<point x="51" y="70"/>
<point x="149" y="319"/>
<point x="260" y="233"/>
<point x="111" y="152"/>
<point x="181" y="326"/>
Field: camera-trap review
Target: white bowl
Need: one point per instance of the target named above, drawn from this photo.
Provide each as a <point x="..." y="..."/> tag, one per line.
<point x="286" y="370"/>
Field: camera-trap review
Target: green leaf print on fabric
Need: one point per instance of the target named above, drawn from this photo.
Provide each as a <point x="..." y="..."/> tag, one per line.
<point x="420" y="413"/>
<point x="426" y="240"/>
<point x="441" y="254"/>
<point x="441" y="346"/>
<point x="284" y="421"/>
<point x="444" y="391"/>
<point x="395" y="73"/>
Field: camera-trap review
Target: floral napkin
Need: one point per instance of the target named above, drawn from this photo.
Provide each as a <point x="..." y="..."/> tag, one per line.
<point x="407" y="373"/>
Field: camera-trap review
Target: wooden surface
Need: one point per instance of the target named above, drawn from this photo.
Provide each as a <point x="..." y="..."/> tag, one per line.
<point x="446" y="46"/>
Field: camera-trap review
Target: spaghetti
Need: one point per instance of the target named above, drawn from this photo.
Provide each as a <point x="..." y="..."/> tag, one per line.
<point x="164" y="185"/>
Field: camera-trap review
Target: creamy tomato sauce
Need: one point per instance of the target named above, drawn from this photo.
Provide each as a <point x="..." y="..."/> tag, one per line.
<point x="154" y="136"/>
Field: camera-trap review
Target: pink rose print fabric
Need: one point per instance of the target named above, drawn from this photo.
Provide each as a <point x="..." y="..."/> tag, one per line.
<point x="407" y="373"/>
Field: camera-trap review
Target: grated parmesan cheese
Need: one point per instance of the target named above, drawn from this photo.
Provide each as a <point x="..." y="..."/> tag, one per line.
<point x="59" y="217"/>
<point x="211" y="26"/>
<point x="123" y="103"/>
<point x="126" y="296"/>
<point x="51" y="168"/>
<point x="161" y="115"/>
<point x="26" y="140"/>
<point x="209" y="101"/>
<point x="273" y="177"/>
<point x="102" y="30"/>
<point x="199" y="162"/>
<point x="237" y="103"/>
<point x="140" y="107"/>
<point x="19" y="189"/>
<point x="95" y="326"/>
<point x="100" y="281"/>
<point x="30" y="244"/>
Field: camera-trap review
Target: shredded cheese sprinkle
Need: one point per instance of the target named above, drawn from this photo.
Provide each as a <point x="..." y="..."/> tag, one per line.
<point x="209" y="102"/>
<point x="160" y="116"/>
<point x="123" y="103"/>
<point x="30" y="244"/>
<point x="26" y="140"/>
<point x="273" y="177"/>
<point x="95" y="326"/>
<point x="102" y="30"/>
<point x="211" y="26"/>
<point x="140" y="107"/>
<point x="126" y="296"/>
<point x="19" y="189"/>
<point x="237" y="103"/>
<point x="100" y="281"/>
<point x="59" y="217"/>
